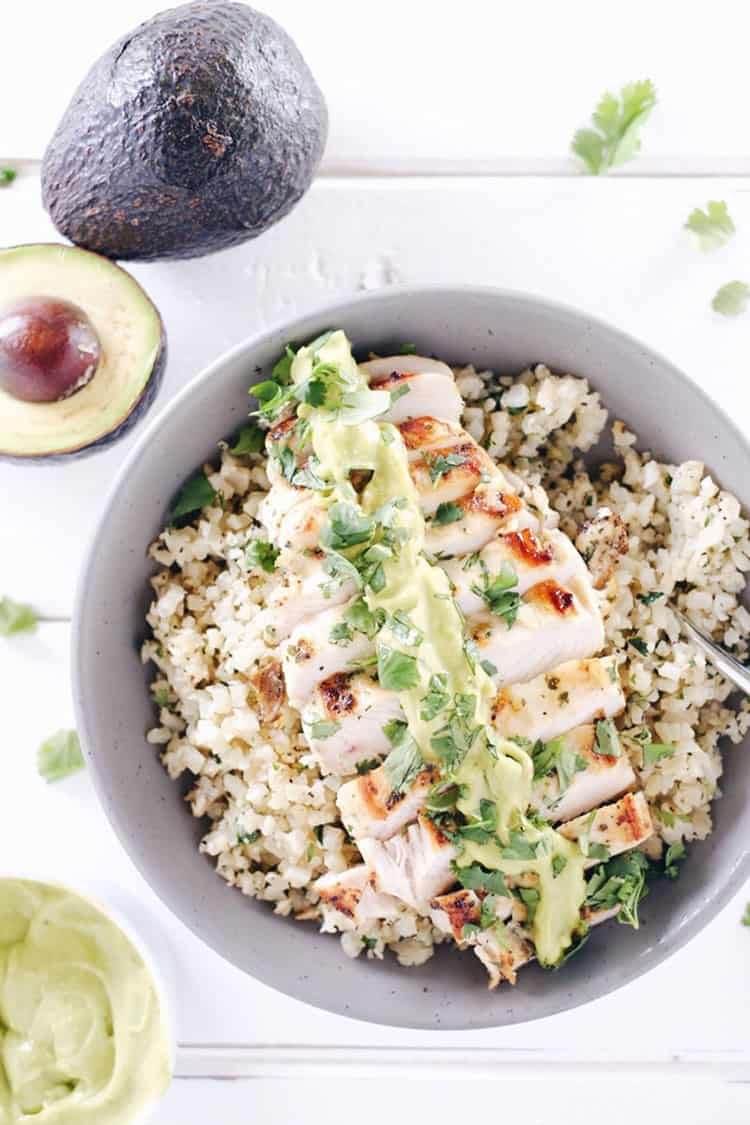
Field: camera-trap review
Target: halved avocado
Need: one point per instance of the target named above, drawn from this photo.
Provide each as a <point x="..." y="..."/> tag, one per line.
<point x="82" y="352"/>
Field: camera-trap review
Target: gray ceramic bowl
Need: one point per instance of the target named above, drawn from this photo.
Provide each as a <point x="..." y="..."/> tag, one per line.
<point x="489" y="328"/>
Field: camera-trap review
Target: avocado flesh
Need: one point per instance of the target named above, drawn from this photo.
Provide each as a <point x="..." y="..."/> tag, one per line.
<point x="132" y="352"/>
<point x="196" y="131"/>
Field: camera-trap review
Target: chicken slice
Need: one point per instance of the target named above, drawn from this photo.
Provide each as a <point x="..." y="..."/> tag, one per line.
<point x="413" y="866"/>
<point x="602" y="541"/>
<point x="371" y="808"/>
<point x="535" y="558"/>
<point x="311" y="657"/>
<point x="351" y="893"/>
<point x="267" y="678"/>
<point x="306" y="592"/>
<point x="554" y="624"/>
<point x="602" y="778"/>
<point x="619" y="827"/>
<point x="503" y="955"/>
<point x="561" y="699"/>
<point x="359" y="708"/>
<point x="485" y="511"/>
<point x="452" y="911"/>
<point x="431" y="387"/>
<point x="277" y="505"/>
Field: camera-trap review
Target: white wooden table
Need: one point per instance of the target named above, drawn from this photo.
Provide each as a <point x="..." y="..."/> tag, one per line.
<point x="447" y="162"/>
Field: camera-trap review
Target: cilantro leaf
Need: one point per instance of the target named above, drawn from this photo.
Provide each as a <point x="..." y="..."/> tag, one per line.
<point x="654" y="751"/>
<point x="405" y="630"/>
<point x="615" y="137"/>
<point x="502" y="600"/>
<point x="405" y="759"/>
<point x="639" y="645"/>
<point x="518" y="847"/>
<point x="250" y="439"/>
<point x="648" y="599"/>
<point x="436" y="699"/>
<point x="559" y="863"/>
<point x="397" y="671"/>
<point x="347" y="526"/>
<point x="607" y="741"/>
<point x="282" y="369"/>
<point x="442" y="464"/>
<point x="59" y="756"/>
<point x="366" y="765"/>
<point x="7" y="176"/>
<point x="478" y="878"/>
<point x="622" y="883"/>
<point x="362" y="619"/>
<point x="322" y="729"/>
<point x="746" y="916"/>
<point x="556" y="756"/>
<point x="248" y="837"/>
<point x="731" y="299"/>
<point x="530" y="898"/>
<point x="447" y="513"/>
<point x="16" y="618"/>
<point x="341" y="634"/>
<point x="712" y="227"/>
<point x="196" y="494"/>
<point x="408" y="349"/>
<point x="262" y="554"/>
<point x="675" y="855"/>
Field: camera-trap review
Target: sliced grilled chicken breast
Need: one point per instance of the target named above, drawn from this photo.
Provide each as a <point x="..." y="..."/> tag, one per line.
<point x="620" y="826"/>
<point x="503" y="956"/>
<point x="414" y="866"/>
<point x="601" y="778"/>
<point x="306" y="592"/>
<point x="351" y="893"/>
<point x="310" y="656"/>
<point x="484" y="512"/>
<point x="545" y="557"/>
<point x="555" y="624"/>
<point x="565" y="697"/>
<point x="431" y="387"/>
<point x="359" y="709"/>
<point x="452" y="911"/>
<point x="370" y="807"/>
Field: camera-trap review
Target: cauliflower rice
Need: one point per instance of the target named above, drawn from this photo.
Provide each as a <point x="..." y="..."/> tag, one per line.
<point x="274" y="826"/>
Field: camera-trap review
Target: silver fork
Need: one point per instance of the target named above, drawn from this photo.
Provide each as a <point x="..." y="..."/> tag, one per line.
<point x="719" y="657"/>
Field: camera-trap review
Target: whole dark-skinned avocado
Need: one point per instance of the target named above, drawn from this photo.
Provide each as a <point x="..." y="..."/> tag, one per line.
<point x="82" y="352"/>
<point x="193" y="133"/>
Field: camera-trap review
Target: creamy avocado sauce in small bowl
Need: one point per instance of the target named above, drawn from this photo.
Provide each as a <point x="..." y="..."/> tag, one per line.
<point x="83" y="1027"/>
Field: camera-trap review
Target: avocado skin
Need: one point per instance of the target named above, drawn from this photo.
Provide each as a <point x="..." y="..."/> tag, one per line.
<point x="140" y="409"/>
<point x="193" y="133"/>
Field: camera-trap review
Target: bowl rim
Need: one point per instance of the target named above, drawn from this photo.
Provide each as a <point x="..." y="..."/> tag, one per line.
<point x="721" y="893"/>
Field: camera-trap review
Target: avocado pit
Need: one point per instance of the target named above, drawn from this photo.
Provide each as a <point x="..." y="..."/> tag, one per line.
<point x="49" y="349"/>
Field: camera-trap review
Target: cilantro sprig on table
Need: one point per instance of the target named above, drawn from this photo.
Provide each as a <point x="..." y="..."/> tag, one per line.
<point x="713" y="227"/>
<point x="617" y="123"/>
<point x="59" y="756"/>
<point x="15" y="617"/>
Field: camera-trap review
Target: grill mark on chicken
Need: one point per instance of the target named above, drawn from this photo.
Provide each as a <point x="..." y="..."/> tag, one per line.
<point x="270" y="686"/>
<point x="526" y="545"/>
<point x="460" y="907"/>
<point x="549" y="594"/>
<point x="345" y="900"/>
<point x="420" y="432"/>
<point x="338" y="698"/>
<point x="281" y="430"/>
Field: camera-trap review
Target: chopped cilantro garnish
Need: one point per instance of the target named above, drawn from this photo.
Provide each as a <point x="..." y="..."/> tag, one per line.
<point x="615" y="138"/>
<point x="712" y="227"/>
<point x="408" y="349"/>
<point x="195" y="494"/>
<point x="340" y="634"/>
<point x="59" y="756"/>
<point x="649" y="598"/>
<point x="7" y="176"/>
<point x="348" y="526"/>
<point x="16" y="618"/>
<point x="436" y="699"/>
<point x="655" y="751"/>
<point x="530" y="898"/>
<point x="447" y="513"/>
<point x="519" y="847"/>
<point x="559" y="863"/>
<point x="478" y="878"/>
<point x="607" y="740"/>
<point x="405" y="761"/>
<point x="404" y="630"/>
<point x="675" y="855"/>
<point x="469" y="930"/>
<point x="556" y="756"/>
<point x="369" y="943"/>
<point x="322" y="729"/>
<point x="488" y="667"/>
<point x="260" y="553"/>
<point x="397" y="671"/>
<point x="366" y="765"/>
<point x="746" y="916"/>
<point x="731" y="299"/>
<point x="619" y="883"/>
<point x="248" y="837"/>
<point x="441" y="464"/>
<point x="639" y="645"/>
<point x="501" y="599"/>
<point x="362" y="619"/>
<point x="250" y="439"/>
<point x="161" y="697"/>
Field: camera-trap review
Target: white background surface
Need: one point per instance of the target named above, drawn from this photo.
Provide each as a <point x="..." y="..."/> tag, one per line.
<point x="422" y="88"/>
